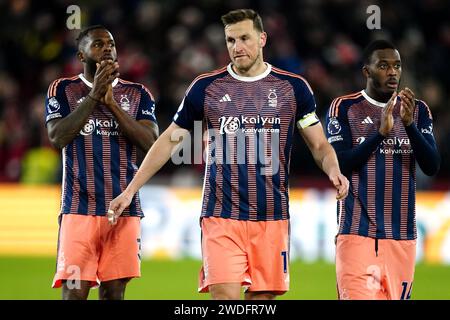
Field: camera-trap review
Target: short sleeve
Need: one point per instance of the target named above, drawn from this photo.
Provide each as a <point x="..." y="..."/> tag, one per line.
<point x="305" y="115"/>
<point x="56" y="104"/>
<point x="337" y="129"/>
<point x="191" y="107"/>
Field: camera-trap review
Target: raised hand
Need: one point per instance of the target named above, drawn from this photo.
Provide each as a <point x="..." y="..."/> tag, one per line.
<point x="407" y="106"/>
<point x="387" y="120"/>
<point x="108" y="99"/>
<point x="107" y="71"/>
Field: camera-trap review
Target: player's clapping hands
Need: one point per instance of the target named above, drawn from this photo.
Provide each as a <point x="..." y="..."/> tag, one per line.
<point x="107" y="71"/>
<point x="407" y="106"/>
<point x="387" y="119"/>
<point x="108" y="99"/>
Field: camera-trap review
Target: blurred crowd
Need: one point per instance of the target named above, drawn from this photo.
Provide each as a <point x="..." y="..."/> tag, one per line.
<point x="165" y="44"/>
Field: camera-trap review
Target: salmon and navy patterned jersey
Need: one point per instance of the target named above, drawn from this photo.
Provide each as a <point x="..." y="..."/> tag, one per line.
<point x="381" y="170"/>
<point x="100" y="162"/>
<point x="250" y="122"/>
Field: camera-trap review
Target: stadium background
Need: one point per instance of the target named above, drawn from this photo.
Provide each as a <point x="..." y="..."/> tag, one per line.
<point x="165" y="45"/>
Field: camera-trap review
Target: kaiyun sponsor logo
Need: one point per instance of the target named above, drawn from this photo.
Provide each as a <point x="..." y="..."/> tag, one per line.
<point x="230" y="125"/>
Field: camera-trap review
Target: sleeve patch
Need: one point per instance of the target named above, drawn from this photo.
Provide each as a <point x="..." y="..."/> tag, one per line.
<point x="53" y="105"/>
<point x="333" y="126"/>
<point x="335" y="139"/>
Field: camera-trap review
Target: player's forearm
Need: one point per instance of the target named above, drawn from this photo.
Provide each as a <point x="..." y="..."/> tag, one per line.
<point x="327" y="160"/>
<point x="425" y="150"/>
<point x="354" y="158"/>
<point x="155" y="158"/>
<point x="61" y="132"/>
<point x="139" y="134"/>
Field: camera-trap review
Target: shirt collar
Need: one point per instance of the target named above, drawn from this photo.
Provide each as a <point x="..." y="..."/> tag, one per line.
<point x="373" y="101"/>
<point x="89" y="84"/>
<point x="249" y="79"/>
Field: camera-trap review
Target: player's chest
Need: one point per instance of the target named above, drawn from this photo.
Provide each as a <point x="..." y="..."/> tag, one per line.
<point x="127" y="99"/>
<point x="249" y="100"/>
<point x="101" y="121"/>
<point x="365" y="123"/>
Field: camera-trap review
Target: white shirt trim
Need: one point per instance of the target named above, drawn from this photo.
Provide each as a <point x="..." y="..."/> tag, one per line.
<point x="250" y="79"/>
<point x="373" y="101"/>
<point x="89" y="84"/>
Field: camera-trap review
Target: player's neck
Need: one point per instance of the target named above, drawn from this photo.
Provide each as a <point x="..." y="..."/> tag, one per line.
<point x="375" y="95"/>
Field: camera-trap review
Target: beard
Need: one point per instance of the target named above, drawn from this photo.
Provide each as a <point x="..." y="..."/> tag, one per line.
<point x="91" y="65"/>
<point x="383" y="90"/>
<point x="246" y="67"/>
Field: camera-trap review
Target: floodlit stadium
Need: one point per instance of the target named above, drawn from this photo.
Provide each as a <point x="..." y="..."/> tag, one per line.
<point x="165" y="45"/>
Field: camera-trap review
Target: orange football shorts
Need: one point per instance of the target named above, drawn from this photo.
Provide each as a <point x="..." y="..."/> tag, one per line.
<point x="253" y="253"/>
<point x="90" y="249"/>
<point x="364" y="273"/>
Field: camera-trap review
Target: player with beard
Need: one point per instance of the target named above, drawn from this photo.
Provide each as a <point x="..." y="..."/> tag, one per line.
<point x="379" y="134"/>
<point x="251" y="110"/>
<point x="99" y="121"/>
